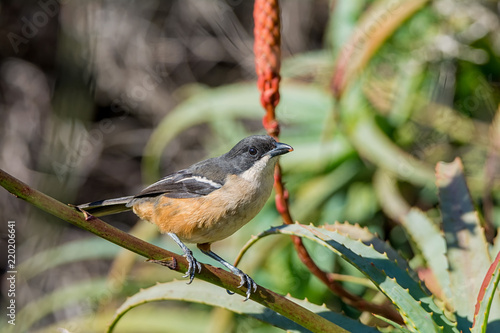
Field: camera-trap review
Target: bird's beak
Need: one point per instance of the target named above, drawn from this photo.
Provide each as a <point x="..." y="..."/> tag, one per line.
<point x="280" y="149"/>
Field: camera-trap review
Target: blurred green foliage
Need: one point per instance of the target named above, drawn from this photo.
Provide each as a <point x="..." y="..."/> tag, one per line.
<point x="149" y="93"/>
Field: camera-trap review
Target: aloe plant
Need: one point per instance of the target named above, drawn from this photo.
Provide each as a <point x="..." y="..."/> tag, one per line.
<point x="470" y="295"/>
<point x="396" y="87"/>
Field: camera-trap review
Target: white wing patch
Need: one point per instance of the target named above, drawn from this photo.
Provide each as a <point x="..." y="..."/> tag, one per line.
<point x="201" y="180"/>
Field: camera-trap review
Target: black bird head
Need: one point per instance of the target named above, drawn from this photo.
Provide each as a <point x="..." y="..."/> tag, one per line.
<point x="248" y="151"/>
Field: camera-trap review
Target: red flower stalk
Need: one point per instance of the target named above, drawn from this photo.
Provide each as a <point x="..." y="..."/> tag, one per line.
<point x="267" y="48"/>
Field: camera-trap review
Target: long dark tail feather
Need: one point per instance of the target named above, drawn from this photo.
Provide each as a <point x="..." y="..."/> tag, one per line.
<point x="107" y="207"/>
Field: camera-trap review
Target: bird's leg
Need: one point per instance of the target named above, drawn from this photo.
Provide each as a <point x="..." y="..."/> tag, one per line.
<point x="193" y="263"/>
<point x="246" y="280"/>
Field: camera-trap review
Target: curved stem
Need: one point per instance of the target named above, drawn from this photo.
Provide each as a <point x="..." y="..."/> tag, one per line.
<point x="211" y="274"/>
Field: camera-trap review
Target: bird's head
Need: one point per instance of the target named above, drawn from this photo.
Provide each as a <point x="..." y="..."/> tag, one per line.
<point x="255" y="152"/>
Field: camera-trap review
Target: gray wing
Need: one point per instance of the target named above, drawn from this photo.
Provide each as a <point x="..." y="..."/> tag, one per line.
<point x="182" y="184"/>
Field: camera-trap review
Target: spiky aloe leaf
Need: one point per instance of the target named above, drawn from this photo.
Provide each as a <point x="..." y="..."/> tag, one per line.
<point x="468" y="255"/>
<point x="430" y="241"/>
<point x="355" y="231"/>
<point x="206" y="293"/>
<point x="486" y="296"/>
<point x="394" y="328"/>
<point x="416" y="306"/>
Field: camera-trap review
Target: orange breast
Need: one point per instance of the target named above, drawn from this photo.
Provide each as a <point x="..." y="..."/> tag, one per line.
<point x="208" y="218"/>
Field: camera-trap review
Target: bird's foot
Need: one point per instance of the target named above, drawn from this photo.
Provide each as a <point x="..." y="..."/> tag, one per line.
<point x="193" y="265"/>
<point x="246" y="281"/>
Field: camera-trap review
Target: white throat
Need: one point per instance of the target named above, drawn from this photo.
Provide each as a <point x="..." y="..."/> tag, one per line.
<point x="263" y="169"/>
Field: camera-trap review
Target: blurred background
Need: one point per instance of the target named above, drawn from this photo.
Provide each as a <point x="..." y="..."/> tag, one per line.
<point x="100" y="98"/>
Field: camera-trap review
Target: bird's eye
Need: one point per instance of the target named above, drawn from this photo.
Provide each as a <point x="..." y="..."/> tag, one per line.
<point x="252" y="151"/>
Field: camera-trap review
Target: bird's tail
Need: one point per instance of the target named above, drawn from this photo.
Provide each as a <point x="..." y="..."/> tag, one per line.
<point x="107" y="207"/>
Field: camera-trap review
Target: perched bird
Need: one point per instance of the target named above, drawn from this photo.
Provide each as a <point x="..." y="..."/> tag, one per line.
<point x="208" y="201"/>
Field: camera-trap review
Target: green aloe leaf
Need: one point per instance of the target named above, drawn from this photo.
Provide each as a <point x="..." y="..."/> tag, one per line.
<point x="390" y="199"/>
<point x="467" y="247"/>
<point x="373" y="144"/>
<point x="373" y="29"/>
<point x="416" y="306"/>
<point x="429" y="240"/>
<point x="202" y="292"/>
<point x="355" y="231"/>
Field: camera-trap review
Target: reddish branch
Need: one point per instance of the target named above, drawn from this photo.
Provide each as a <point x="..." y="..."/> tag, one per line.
<point x="267" y="48"/>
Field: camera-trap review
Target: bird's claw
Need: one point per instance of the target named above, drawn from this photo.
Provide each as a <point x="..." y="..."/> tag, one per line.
<point x="248" y="282"/>
<point x="193" y="265"/>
